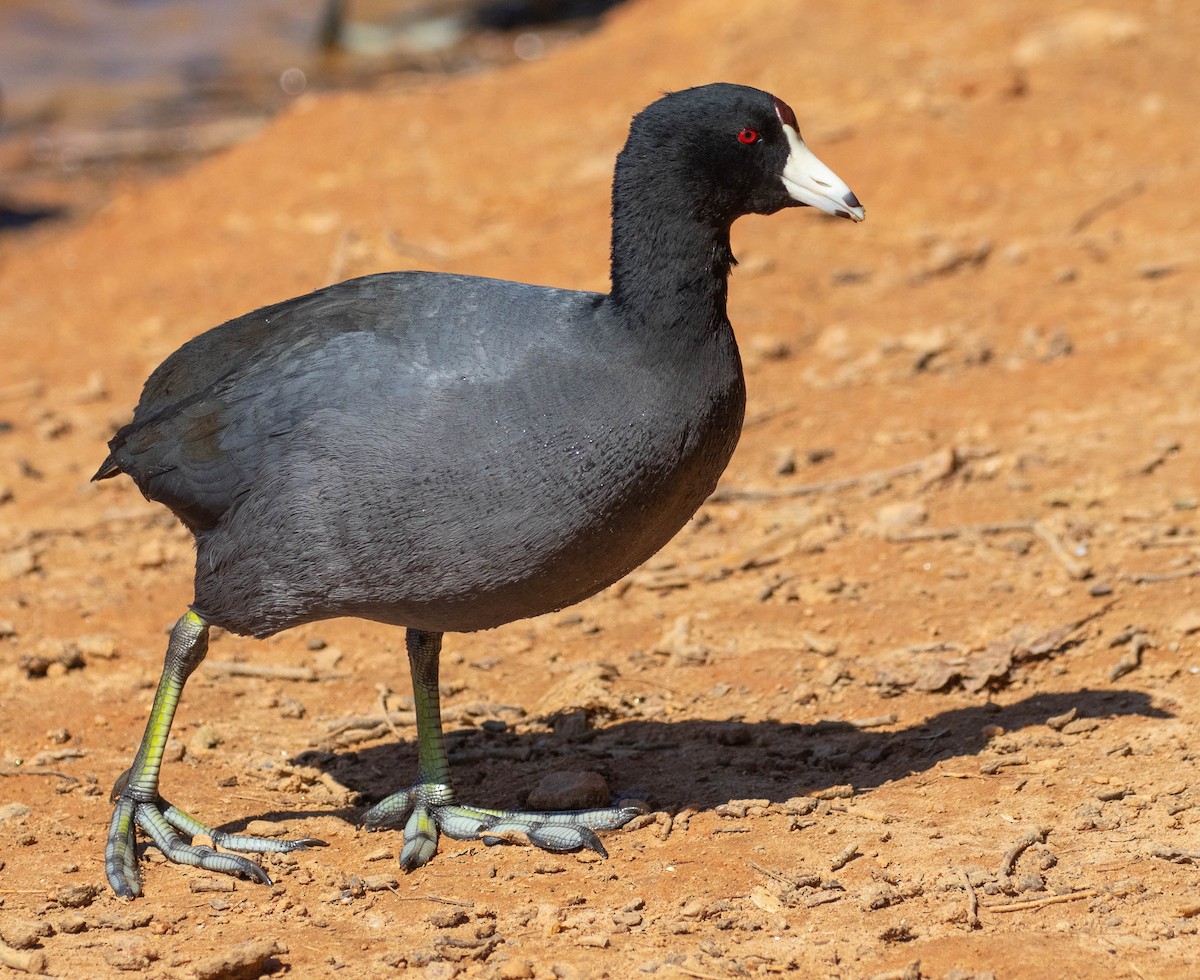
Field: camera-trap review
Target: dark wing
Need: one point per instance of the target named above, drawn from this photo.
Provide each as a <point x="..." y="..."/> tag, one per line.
<point x="208" y="413"/>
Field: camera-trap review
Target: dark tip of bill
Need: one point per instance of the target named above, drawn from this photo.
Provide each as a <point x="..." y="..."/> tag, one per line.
<point x="852" y="201"/>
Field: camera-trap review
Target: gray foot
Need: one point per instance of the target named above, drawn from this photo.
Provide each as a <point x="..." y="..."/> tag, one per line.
<point x="161" y="820"/>
<point x="430" y="808"/>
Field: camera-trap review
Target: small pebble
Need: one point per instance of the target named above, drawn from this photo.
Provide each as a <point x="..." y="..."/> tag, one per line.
<point x="596" y="941"/>
<point x="24" y="933"/>
<point x="77" y="896"/>
<point x="205" y="739"/>
<point x="570" y="790"/>
<point x="71" y="924"/>
<point x="19" y="562"/>
<point x="1059" y="722"/>
<point x="13" y="811"/>
<point x="448" y="919"/>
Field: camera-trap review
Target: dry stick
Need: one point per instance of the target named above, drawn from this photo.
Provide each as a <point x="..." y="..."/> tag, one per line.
<point x="1077" y="569"/>
<point x="1116" y="199"/>
<point x="1132" y="659"/>
<point x="338" y="726"/>
<point x="910" y="972"/>
<point x="879" y="721"/>
<point x="464" y="902"/>
<point x="701" y="976"/>
<point x="1038" y="903"/>
<point x="1149" y="578"/>
<point x="844" y="857"/>
<point x="279" y="672"/>
<point x="39" y="772"/>
<point x="1172" y="543"/>
<point x="1174" y="854"/>
<point x="1009" y="861"/>
<point x="995" y="765"/>
<point x="958" y="530"/>
<point x="942" y="461"/>
<point x="972" y="902"/>
<point x="809" y="881"/>
<point x="383" y="699"/>
<point x="29" y="388"/>
<point x="772" y="873"/>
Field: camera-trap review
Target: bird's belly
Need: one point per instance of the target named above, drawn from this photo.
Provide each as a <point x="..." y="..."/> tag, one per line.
<point x="502" y="532"/>
<point x="548" y="551"/>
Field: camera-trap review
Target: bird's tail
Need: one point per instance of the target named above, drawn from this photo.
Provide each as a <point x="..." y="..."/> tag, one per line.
<point x="109" y="468"/>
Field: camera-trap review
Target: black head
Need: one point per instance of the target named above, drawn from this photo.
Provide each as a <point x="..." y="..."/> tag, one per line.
<point x="731" y="150"/>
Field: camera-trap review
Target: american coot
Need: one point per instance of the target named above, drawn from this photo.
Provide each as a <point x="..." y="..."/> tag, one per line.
<point x="450" y="453"/>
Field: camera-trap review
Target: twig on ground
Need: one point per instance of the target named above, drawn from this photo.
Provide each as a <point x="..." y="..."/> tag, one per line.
<point x="1009" y="862"/>
<point x="1132" y="658"/>
<point x="910" y="972"/>
<point x="39" y="772"/>
<point x="1176" y="854"/>
<point x="995" y="765"/>
<point x="1038" y="903"/>
<point x="808" y="881"/>
<point x="1076" y="568"/>
<point x="959" y="530"/>
<point x="1114" y="200"/>
<point x="338" y="726"/>
<point x="29" y="388"/>
<point x="384" y="693"/>
<point x="935" y="466"/>
<point x="278" y="672"/>
<point x="879" y="721"/>
<point x="700" y="976"/>
<point x="1151" y="578"/>
<point x="844" y="857"/>
<point x="972" y="902"/>
<point x="464" y="902"/>
<point x="1188" y="542"/>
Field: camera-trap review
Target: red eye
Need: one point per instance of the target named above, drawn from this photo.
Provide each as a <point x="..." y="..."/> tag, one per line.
<point x="748" y="136"/>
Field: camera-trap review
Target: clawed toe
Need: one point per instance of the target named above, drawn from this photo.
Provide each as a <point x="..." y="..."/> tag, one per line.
<point x="164" y="822"/>
<point x="564" y="840"/>
<point x="559" y="832"/>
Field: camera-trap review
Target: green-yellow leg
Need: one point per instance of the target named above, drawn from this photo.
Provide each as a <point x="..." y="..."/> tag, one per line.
<point x="138" y="803"/>
<point x="430" y="805"/>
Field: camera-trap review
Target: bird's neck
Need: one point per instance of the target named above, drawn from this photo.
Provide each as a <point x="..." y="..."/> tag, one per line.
<point x="670" y="263"/>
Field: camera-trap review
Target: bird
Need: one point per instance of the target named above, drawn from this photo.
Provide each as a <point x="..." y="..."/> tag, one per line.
<point x="449" y="453"/>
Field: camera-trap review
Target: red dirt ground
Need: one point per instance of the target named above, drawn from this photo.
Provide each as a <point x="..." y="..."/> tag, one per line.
<point x="943" y="605"/>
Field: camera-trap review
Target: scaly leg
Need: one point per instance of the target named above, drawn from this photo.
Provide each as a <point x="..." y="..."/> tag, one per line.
<point x="138" y="803"/>
<point x="430" y="805"/>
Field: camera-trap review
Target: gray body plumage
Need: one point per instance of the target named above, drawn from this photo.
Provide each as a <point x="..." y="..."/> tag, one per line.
<point x="441" y="452"/>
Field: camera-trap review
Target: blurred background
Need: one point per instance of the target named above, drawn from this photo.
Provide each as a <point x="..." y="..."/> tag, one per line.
<point x="93" y="91"/>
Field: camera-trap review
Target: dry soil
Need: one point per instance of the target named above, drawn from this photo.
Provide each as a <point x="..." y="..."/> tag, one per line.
<point x="915" y="693"/>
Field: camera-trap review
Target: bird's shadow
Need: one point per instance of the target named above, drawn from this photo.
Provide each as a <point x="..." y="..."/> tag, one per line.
<point x="704" y="763"/>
